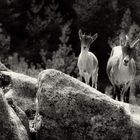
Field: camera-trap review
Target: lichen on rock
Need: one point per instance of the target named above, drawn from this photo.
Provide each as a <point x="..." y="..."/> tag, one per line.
<point x="71" y="109"/>
<point x="11" y="127"/>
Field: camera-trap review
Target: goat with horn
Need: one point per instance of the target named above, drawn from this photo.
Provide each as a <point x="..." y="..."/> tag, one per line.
<point x="121" y="68"/>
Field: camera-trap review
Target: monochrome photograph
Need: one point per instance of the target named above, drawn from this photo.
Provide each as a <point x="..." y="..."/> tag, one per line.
<point x="69" y="70"/>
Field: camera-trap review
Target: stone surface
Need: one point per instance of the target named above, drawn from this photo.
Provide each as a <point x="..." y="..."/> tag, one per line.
<point x="3" y="67"/>
<point x="71" y="110"/>
<point x="23" y="91"/>
<point x="20" y="113"/>
<point x="11" y="127"/>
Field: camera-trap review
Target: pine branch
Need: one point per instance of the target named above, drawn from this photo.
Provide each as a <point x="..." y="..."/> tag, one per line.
<point x="35" y="8"/>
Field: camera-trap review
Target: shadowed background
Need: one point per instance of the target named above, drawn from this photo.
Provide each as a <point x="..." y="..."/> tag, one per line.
<point x="38" y="34"/>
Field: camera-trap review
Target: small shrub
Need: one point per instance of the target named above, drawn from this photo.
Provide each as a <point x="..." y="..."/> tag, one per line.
<point x="18" y="64"/>
<point x="63" y="59"/>
<point x="4" y="43"/>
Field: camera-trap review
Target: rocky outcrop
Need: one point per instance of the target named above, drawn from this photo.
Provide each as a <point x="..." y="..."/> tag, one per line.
<point x="11" y="127"/>
<point x="3" y="67"/>
<point x="20" y="113"/>
<point x="23" y="91"/>
<point x="71" y="110"/>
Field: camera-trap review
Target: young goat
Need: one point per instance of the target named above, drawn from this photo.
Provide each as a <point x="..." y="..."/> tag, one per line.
<point x="121" y="68"/>
<point x="87" y="61"/>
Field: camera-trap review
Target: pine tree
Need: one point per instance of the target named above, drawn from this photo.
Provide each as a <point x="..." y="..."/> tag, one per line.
<point x="4" y="43"/>
<point x="84" y="9"/>
<point x="38" y="22"/>
<point x="125" y="25"/>
<point x="43" y="18"/>
<point x="36" y="25"/>
<point x="126" y="21"/>
<point x="63" y="59"/>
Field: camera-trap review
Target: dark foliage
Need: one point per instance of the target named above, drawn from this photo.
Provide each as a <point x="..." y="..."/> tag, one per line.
<point x="34" y="25"/>
<point x="5" y="80"/>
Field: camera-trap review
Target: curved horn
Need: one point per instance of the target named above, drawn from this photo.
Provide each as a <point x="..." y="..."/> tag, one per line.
<point x="80" y="33"/>
<point x="126" y="40"/>
<point x="135" y="42"/>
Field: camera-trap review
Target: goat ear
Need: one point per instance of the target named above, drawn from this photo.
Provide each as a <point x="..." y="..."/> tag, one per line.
<point x="123" y="40"/>
<point x="80" y="34"/>
<point x="94" y="37"/>
<point x="134" y="43"/>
